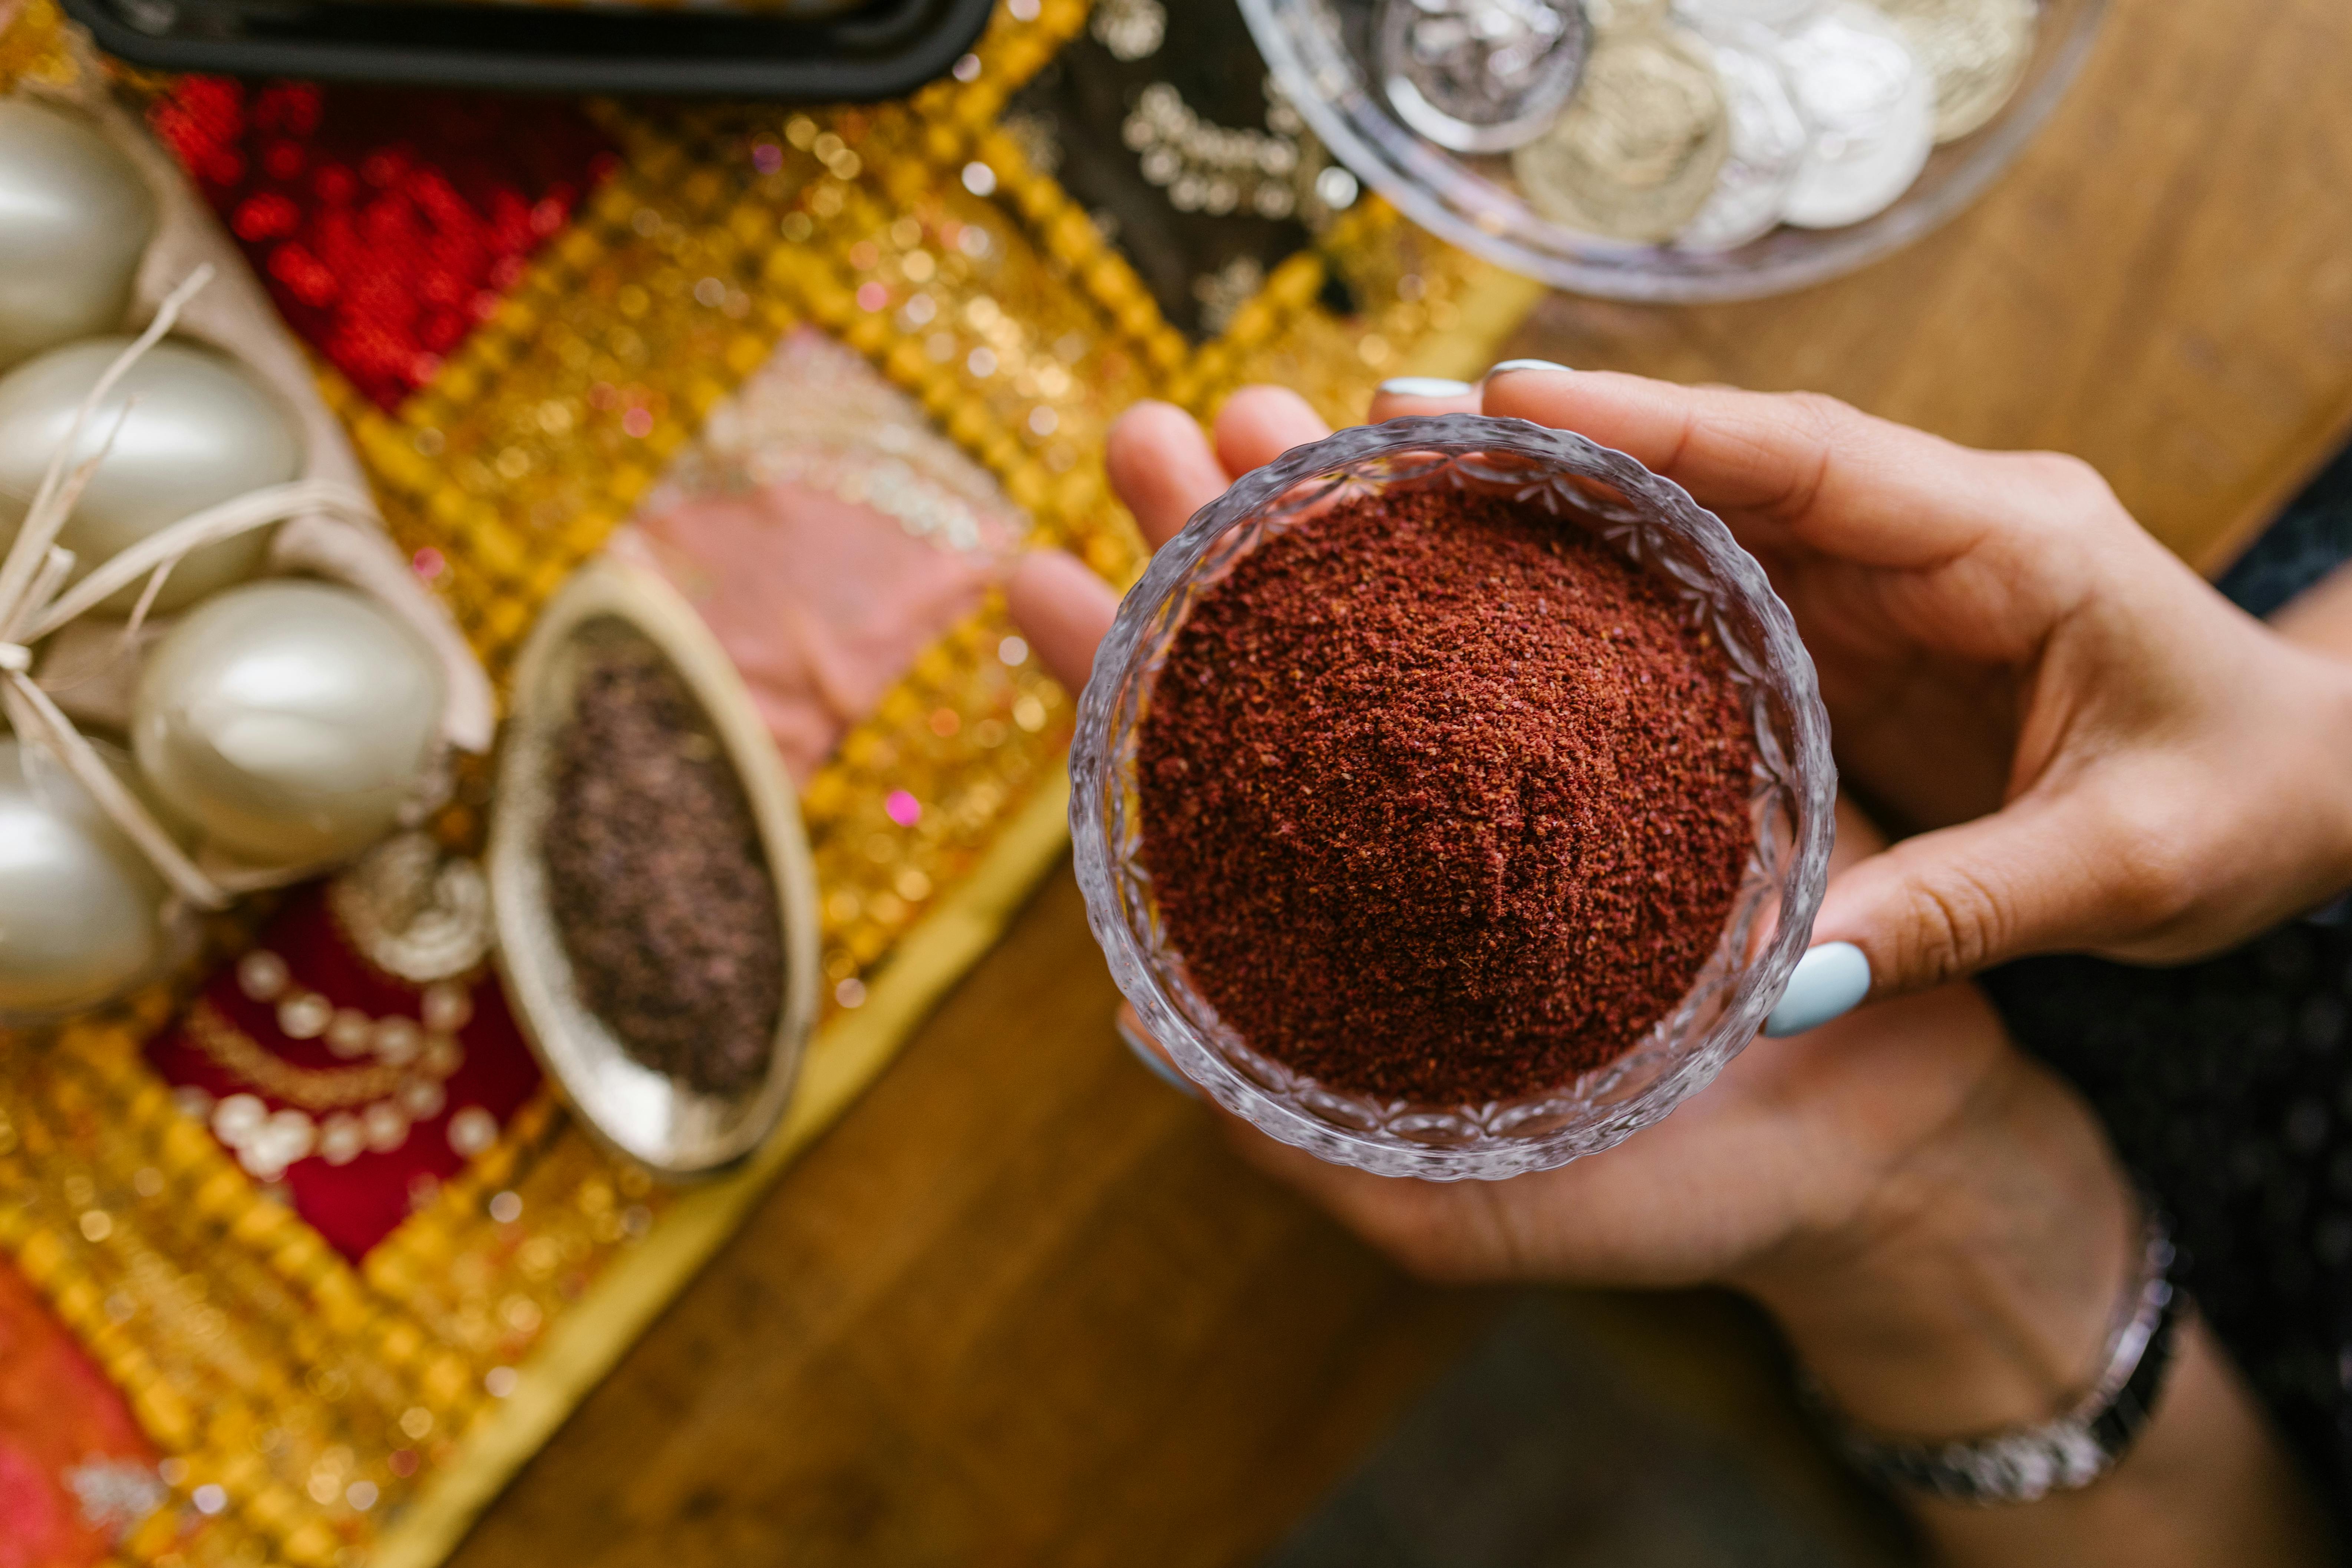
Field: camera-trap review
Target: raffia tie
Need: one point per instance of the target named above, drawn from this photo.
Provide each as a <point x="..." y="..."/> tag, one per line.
<point x="34" y="602"/>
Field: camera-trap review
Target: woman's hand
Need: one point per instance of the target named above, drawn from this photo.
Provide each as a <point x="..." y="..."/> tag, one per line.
<point x="1936" y="1221"/>
<point x="1808" y="1145"/>
<point x="2106" y="755"/>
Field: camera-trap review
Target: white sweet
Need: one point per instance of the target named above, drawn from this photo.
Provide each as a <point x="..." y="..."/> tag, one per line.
<point x="289" y="721"/>
<point x="198" y="430"/>
<point x="75" y="218"/>
<point x="1780" y="15"/>
<point x="79" y="907"/>
<point x="1768" y="141"/>
<point x="1872" y="111"/>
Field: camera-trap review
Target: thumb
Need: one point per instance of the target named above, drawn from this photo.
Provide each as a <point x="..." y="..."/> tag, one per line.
<point x="1063" y="609"/>
<point x="2036" y="877"/>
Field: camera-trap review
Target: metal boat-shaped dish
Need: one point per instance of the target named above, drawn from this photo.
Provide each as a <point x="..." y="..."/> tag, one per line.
<point x="652" y="1118"/>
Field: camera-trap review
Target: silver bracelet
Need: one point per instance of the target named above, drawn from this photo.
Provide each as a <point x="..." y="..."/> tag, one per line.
<point x="2025" y="1464"/>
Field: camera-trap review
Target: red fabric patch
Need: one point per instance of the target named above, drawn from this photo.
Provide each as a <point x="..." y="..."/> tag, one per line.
<point x="74" y="1470"/>
<point x="385" y="223"/>
<point x="357" y="1204"/>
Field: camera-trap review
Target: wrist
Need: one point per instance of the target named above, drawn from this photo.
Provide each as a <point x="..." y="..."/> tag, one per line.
<point x="2338" y="785"/>
<point x="1977" y="1288"/>
<point x="2315" y="764"/>
<point x="2297" y="797"/>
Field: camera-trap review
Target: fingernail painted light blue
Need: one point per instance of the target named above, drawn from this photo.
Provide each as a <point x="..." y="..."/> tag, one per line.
<point x="1829" y="980"/>
<point x="1425" y="386"/>
<point x="1154" y="1063"/>
<point x="1509" y="365"/>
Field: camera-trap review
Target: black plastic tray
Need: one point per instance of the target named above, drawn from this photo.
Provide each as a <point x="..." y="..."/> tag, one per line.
<point x="884" y="48"/>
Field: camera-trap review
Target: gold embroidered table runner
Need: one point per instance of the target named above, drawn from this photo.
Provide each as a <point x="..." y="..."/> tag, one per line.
<point x="867" y="350"/>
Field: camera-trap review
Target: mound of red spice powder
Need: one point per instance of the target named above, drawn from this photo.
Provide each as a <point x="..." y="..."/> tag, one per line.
<point x="1442" y="800"/>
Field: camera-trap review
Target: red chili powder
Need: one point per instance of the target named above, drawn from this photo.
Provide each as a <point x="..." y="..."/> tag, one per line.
<point x="1442" y="800"/>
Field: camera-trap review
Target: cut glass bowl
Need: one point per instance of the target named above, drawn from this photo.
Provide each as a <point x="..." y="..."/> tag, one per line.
<point x="1646" y="520"/>
<point x="1319" y="52"/>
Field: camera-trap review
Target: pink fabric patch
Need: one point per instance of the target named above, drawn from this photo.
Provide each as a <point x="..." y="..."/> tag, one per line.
<point x="828" y="535"/>
<point x="821" y="604"/>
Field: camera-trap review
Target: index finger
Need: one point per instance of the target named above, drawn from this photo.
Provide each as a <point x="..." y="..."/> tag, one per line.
<point x="1783" y="470"/>
<point x="1161" y="466"/>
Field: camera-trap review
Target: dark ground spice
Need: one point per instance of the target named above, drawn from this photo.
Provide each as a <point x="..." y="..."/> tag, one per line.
<point x="1442" y="800"/>
<point x="658" y="879"/>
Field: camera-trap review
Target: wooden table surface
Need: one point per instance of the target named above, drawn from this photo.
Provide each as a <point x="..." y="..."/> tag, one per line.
<point x="1023" y="1307"/>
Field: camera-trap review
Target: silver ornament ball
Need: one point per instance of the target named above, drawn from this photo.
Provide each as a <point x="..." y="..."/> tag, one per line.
<point x="200" y="430"/>
<point x="75" y="218"/>
<point x="288" y="721"/>
<point x="81" y="910"/>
